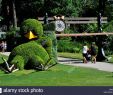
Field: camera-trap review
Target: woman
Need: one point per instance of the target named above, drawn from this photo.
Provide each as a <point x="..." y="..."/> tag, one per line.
<point x="85" y="52"/>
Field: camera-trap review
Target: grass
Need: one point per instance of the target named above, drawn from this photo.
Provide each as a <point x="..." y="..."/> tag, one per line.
<point x="1" y="61"/>
<point x="59" y="75"/>
<point x="70" y="55"/>
<point x="111" y="59"/>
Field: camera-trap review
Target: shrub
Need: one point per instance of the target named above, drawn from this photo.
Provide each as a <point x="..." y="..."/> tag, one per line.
<point x="49" y="27"/>
<point x="13" y="39"/>
<point x="68" y="46"/>
<point x="108" y="39"/>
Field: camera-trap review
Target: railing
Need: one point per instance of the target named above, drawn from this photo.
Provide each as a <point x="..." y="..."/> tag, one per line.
<point x="76" y="20"/>
<point x="79" y="20"/>
<point x="84" y="34"/>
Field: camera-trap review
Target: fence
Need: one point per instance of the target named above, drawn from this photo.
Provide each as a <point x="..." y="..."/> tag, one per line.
<point x="76" y="20"/>
<point x="84" y="34"/>
<point x="79" y="20"/>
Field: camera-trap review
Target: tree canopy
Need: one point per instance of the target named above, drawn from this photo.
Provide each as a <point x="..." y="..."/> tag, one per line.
<point x="36" y="8"/>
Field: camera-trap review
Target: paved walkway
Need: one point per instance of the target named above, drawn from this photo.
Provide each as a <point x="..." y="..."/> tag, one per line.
<point x="98" y="65"/>
<point x="5" y="53"/>
<point x="104" y="66"/>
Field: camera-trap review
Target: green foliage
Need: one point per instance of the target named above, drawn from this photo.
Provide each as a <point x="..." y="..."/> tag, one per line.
<point x="20" y="63"/>
<point x="109" y="39"/>
<point x="66" y="7"/>
<point x="66" y="31"/>
<point x="28" y="51"/>
<point x="13" y="33"/>
<point x="49" y="32"/>
<point x="1" y="18"/>
<point x="49" y="27"/>
<point x="33" y="8"/>
<point x="37" y="53"/>
<point x="32" y="25"/>
<point x="108" y="27"/>
<point x="13" y="38"/>
<point x="91" y="28"/>
<point x="68" y="46"/>
<point x="4" y="56"/>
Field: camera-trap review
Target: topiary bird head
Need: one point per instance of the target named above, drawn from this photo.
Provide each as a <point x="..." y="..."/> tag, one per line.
<point x="31" y="28"/>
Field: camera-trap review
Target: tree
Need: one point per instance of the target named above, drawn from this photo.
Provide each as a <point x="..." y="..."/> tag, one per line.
<point x="35" y="8"/>
<point x="0" y="5"/>
<point x="14" y="14"/>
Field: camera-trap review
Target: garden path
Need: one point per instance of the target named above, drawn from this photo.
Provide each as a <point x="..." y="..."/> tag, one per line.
<point x="104" y="66"/>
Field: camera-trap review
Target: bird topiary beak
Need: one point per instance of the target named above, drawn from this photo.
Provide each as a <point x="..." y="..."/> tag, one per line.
<point x="30" y="35"/>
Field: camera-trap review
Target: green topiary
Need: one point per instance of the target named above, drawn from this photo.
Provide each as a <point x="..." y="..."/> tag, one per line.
<point x="29" y="55"/>
<point x="49" y="30"/>
<point x="36" y="52"/>
<point x="31" y="25"/>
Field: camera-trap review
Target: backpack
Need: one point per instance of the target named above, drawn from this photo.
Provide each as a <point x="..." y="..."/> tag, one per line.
<point x="93" y="50"/>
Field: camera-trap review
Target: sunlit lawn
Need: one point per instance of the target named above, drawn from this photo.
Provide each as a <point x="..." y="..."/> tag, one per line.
<point x="70" y="55"/>
<point x="59" y="75"/>
<point x="1" y="61"/>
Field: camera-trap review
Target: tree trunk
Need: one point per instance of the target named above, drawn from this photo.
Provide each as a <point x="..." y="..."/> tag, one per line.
<point x="14" y="15"/>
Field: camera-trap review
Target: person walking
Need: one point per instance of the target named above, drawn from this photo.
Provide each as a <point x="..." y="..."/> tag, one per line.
<point x="85" y="52"/>
<point x="4" y="46"/>
<point x="93" y="51"/>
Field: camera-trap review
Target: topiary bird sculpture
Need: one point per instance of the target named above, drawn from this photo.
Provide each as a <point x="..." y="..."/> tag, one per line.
<point x="36" y="50"/>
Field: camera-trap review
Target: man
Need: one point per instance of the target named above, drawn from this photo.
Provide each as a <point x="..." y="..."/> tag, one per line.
<point x="93" y="51"/>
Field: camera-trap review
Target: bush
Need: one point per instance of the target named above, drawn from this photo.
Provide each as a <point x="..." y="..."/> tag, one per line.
<point x="13" y="39"/>
<point x="49" y="27"/>
<point x="68" y="46"/>
<point x="108" y="39"/>
<point x="108" y="27"/>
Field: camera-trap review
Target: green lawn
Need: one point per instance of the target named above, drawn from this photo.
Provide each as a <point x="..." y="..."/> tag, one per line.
<point x="70" y="55"/>
<point x="1" y="61"/>
<point x="59" y="75"/>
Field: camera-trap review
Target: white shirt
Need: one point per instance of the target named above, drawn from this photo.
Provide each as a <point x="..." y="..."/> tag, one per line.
<point x="85" y="49"/>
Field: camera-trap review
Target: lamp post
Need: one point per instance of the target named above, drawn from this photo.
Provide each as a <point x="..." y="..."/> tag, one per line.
<point x="46" y="18"/>
<point x="45" y="13"/>
<point x="100" y="55"/>
<point x="100" y="13"/>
